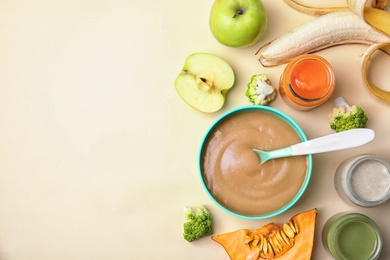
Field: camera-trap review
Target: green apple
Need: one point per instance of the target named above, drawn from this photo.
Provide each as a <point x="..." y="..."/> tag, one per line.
<point x="204" y="81"/>
<point x="238" y="23"/>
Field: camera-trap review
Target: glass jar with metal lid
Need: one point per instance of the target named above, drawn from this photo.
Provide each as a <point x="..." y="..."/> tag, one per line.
<point x="363" y="180"/>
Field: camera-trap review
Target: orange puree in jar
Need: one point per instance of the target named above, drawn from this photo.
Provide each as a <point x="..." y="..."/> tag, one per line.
<point x="307" y="82"/>
<point x="310" y="79"/>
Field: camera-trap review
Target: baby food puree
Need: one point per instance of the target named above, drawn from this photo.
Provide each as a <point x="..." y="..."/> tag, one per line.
<point x="350" y="242"/>
<point x="370" y="180"/>
<point x="307" y="82"/>
<point x="232" y="171"/>
<point x="352" y="236"/>
<point x="363" y="180"/>
<point x="310" y="79"/>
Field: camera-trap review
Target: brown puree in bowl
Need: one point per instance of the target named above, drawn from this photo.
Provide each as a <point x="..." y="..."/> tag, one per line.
<point x="232" y="171"/>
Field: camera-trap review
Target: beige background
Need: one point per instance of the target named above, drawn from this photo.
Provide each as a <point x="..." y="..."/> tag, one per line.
<point x="98" y="153"/>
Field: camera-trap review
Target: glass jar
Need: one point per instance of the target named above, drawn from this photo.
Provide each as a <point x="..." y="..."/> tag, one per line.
<point x="363" y="180"/>
<point x="307" y="82"/>
<point x="347" y="236"/>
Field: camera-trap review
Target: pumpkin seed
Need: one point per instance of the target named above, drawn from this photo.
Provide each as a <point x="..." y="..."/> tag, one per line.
<point x="255" y="240"/>
<point x="293" y="226"/>
<point x="270" y="250"/>
<point x="248" y="239"/>
<point x="279" y="238"/>
<point x="285" y="238"/>
<point x="265" y="246"/>
<point x="277" y="246"/>
<point x="261" y="241"/>
<point x="288" y="230"/>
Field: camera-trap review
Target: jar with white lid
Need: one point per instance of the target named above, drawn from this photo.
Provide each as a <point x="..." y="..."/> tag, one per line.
<point x="363" y="180"/>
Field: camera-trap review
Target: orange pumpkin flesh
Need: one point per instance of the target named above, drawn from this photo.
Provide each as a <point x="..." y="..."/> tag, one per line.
<point x="292" y="240"/>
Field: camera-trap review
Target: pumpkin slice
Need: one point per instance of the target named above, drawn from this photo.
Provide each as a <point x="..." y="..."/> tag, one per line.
<point x="292" y="240"/>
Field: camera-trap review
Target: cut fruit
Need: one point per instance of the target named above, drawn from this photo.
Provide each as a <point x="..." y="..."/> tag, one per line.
<point x="292" y="240"/>
<point x="204" y="82"/>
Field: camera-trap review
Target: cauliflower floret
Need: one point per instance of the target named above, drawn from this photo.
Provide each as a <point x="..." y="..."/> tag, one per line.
<point x="260" y="91"/>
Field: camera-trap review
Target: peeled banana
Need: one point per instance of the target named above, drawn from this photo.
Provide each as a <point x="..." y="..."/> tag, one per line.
<point x="339" y="25"/>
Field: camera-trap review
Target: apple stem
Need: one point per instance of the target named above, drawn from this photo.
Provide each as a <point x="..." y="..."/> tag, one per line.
<point x="238" y="12"/>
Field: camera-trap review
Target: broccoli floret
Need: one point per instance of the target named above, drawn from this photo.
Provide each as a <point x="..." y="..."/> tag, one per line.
<point x="198" y="223"/>
<point x="260" y="91"/>
<point x="345" y="117"/>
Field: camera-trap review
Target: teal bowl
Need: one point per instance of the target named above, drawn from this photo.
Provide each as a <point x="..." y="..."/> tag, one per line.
<point x="285" y="118"/>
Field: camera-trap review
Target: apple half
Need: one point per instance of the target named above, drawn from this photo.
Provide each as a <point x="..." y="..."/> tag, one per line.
<point x="204" y="81"/>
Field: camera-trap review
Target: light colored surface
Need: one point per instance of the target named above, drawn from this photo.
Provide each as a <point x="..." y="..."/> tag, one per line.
<point x="99" y="153"/>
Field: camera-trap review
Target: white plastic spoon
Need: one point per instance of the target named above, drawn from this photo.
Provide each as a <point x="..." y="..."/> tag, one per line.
<point x="328" y="143"/>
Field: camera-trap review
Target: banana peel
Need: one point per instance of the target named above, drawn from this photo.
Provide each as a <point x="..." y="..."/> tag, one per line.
<point x="314" y="10"/>
<point x="380" y="4"/>
<point x="355" y="23"/>
<point x="378" y="92"/>
<point x="378" y="19"/>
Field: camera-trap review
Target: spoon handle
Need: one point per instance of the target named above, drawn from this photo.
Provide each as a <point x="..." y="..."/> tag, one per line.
<point x="334" y="142"/>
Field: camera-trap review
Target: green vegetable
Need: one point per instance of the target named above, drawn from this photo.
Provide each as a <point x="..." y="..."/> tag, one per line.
<point x="260" y="91"/>
<point x="198" y="223"/>
<point x="345" y="117"/>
